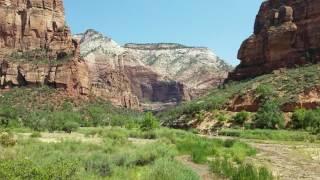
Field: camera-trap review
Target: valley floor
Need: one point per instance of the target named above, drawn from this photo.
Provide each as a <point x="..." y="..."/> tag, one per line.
<point x="287" y="160"/>
<point x="133" y="154"/>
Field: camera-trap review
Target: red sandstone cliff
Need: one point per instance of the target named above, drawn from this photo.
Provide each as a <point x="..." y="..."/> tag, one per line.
<point x="36" y="47"/>
<point x="34" y="30"/>
<point x="286" y="34"/>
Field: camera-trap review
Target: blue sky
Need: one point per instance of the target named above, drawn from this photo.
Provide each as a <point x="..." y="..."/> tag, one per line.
<point x="221" y="25"/>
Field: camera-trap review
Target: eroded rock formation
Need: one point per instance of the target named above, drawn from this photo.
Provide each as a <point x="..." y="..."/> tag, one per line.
<point x="36" y="47"/>
<point x="38" y="27"/>
<point x="165" y="73"/>
<point x="286" y="34"/>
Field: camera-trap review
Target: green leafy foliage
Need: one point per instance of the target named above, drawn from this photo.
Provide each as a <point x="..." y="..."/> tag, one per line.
<point x="241" y="117"/>
<point x="169" y="169"/>
<point x="7" y="139"/>
<point x="240" y="171"/>
<point x="307" y="120"/>
<point x="149" y="122"/>
<point x="269" y="116"/>
<point x="41" y="110"/>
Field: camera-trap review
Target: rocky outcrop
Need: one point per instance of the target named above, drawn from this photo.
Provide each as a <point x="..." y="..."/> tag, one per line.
<point x="34" y="24"/>
<point x="156" y="72"/>
<point x="286" y="34"/>
<point x="32" y="31"/>
<point x="198" y="69"/>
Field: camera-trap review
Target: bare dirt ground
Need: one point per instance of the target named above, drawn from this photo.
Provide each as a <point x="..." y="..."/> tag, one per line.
<point x="289" y="162"/>
<point x="59" y="137"/>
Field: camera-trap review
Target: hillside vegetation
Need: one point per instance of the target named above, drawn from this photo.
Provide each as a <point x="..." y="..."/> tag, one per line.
<point x="272" y="93"/>
<point x="48" y="109"/>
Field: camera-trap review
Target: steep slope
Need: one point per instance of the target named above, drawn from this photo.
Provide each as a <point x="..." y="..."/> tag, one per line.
<point x="292" y="89"/>
<point x="197" y="68"/>
<point x="36" y="47"/>
<point x="286" y="34"/>
<point x="156" y="72"/>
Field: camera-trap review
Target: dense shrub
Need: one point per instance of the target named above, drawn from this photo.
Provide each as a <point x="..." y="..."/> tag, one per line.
<point x="241" y="117"/>
<point x="7" y="139"/>
<point x="70" y="126"/>
<point x="149" y="122"/>
<point x="269" y="116"/>
<point x="8" y="116"/>
<point x="307" y="119"/>
<point x="99" y="164"/>
<point x="241" y="171"/>
<point x="35" y="135"/>
<point x="265" y="91"/>
<point x="26" y="169"/>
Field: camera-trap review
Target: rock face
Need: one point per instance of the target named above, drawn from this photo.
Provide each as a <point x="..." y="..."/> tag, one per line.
<point x="34" y="24"/>
<point x="286" y="34"/>
<point x="155" y="72"/>
<point x="34" y="30"/>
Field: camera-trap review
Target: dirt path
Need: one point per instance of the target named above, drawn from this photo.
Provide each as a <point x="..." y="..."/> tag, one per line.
<point x="201" y="169"/>
<point x="289" y="162"/>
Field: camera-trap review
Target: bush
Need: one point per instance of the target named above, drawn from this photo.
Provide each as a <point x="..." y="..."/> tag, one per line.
<point x="35" y="135"/>
<point x="241" y="117"/>
<point x="149" y="122"/>
<point x="299" y="119"/>
<point x="7" y="139"/>
<point x="70" y="126"/>
<point x="242" y="171"/>
<point x="99" y="164"/>
<point x="7" y="116"/>
<point x="269" y="116"/>
<point x="26" y="169"/>
<point x="169" y="169"/>
<point x="265" y="91"/>
<point x="307" y="119"/>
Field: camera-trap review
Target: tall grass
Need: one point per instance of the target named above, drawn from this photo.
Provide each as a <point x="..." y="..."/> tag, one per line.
<point x="263" y="134"/>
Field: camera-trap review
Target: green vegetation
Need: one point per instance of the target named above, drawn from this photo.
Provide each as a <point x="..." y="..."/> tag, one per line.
<point x="269" y="116"/>
<point x="241" y="117"/>
<point x="239" y="171"/>
<point x="277" y="135"/>
<point x="149" y="122"/>
<point x="307" y="119"/>
<point x="115" y="156"/>
<point x="284" y="87"/>
<point x="170" y="170"/>
<point x="45" y="109"/>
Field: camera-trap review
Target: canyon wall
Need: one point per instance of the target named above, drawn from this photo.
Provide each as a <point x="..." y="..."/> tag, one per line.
<point x="286" y="34"/>
<point x="37" y="48"/>
<point x="163" y="72"/>
<point x="32" y="31"/>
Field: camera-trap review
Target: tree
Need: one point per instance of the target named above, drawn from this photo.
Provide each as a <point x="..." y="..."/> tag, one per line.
<point x="269" y="116"/>
<point x="149" y="122"/>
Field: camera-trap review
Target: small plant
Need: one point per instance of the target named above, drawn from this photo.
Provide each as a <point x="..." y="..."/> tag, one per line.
<point x="35" y="135"/>
<point x="169" y="169"/>
<point x="241" y="117"/>
<point x="222" y="117"/>
<point x="149" y="122"/>
<point x="7" y="139"/>
<point x="265" y="91"/>
<point x="70" y="126"/>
